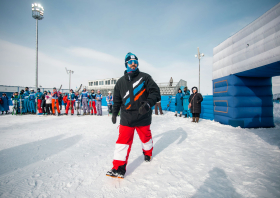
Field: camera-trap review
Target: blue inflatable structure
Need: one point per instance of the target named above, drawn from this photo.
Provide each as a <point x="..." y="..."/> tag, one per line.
<point x="243" y="66"/>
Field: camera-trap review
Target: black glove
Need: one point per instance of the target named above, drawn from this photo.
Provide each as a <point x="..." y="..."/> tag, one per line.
<point x="145" y="107"/>
<point x="114" y="119"/>
<point x="175" y="103"/>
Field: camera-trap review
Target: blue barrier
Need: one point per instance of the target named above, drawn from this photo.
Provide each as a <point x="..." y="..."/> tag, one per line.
<point x="243" y="101"/>
<point x="207" y="108"/>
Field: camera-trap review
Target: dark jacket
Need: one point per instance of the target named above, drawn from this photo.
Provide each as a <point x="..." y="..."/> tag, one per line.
<point x="196" y="100"/>
<point x="130" y="90"/>
<point x="43" y="104"/>
<point x="60" y="98"/>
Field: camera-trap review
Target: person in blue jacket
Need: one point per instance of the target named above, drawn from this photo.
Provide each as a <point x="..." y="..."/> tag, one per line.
<point x="26" y="100"/>
<point x="186" y="102"/>
<point x="109" y="100"/>
<point x="39" y="97"/>
<point x="21" y="102"/>
<point x="5" y="105"/>
<point x="179" y="103"/>
<point x="98" y="97"/>
<point x="32" y="104"/>
<point x="84" y="96"/>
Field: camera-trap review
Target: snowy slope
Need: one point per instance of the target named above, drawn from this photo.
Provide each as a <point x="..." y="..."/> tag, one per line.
<point x="69" y="157"/>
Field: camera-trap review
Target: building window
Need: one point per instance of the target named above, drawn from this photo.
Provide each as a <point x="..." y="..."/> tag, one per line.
<point x="96" y="83"/>
<point x="108" y="82"/>
<point x="101" y="83"/>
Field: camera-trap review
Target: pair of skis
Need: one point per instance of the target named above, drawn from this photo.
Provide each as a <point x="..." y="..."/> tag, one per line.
<point x="78" y="102"/>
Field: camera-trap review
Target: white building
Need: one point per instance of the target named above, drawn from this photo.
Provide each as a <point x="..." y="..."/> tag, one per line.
<point x="108" y="84"/>
<point x="104" y="85"/>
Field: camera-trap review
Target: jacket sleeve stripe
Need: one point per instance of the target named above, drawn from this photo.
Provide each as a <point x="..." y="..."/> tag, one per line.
<point x="137" y="82"/>
<point x="127" y="93"/>
<point x="140" y="94"/>
<point x="128" y="107"/>
<point x="127" y="101"/>
<point x="137" y="89"/>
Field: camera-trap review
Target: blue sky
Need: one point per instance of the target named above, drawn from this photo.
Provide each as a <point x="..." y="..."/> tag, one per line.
<point x="93" y="37"/>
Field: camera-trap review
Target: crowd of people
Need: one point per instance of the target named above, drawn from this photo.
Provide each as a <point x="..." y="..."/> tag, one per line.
<point x="50" y="103"/>
<point x="192" y="106"/>
<point x="47" y="103"/>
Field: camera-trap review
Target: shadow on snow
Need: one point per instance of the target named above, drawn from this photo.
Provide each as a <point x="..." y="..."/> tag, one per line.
<point x="20" y="156"/>
<point x="216" y="185"/>
<point x="165" y="140"/>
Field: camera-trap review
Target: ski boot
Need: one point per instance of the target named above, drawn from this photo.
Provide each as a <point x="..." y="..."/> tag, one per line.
<point x="193" y="119"/>
<point x="65" y="114"/>
<point x="58" y="114"/>
<point x="88" y="113"/>
<point x="117" y="173"/>
<point x="180" y="115"/>
<point x="72" y="113"/>
<point x="147" y="158"/>
<point x="186" y="116"/>
<point x="175" y="115"/>
<point x="84" y="113"/>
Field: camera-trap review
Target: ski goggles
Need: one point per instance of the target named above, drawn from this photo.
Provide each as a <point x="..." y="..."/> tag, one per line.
<point x="130" y="62"/>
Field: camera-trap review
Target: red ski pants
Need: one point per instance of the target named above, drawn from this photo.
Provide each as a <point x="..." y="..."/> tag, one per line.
<point x="124" y="142"/>
<point x="68" y="105"/>
<point x="92" y="103"/>
<point x="39" y="102"/>
<point x="57" y="105"/>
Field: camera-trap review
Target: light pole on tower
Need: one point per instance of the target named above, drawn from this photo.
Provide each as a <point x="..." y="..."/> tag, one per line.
<point x="38" y="14"/>
<point x="199" y="56"/>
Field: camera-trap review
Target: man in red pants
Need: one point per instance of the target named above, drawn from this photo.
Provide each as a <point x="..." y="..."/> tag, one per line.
<point x="134" y="94"/>
<point x="55" y="94"/>
<point x="92" y="102"/>
<point x="70" y="102"/>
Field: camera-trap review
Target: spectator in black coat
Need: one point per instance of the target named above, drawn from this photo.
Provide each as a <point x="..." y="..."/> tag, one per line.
<point x="43" y="105"/>
<point x="195" y="104"/>
<point x="60" y="98"/>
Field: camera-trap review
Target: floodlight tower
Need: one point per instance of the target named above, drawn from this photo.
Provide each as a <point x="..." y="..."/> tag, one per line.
<point x="199" y="56"/>
<point x="38" y="14"/>
<point x="69" y="72"/>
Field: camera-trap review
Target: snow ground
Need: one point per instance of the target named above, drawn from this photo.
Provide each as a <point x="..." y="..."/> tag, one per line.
<point x="68" y="156"/>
